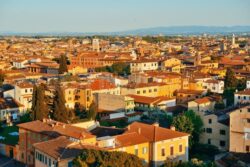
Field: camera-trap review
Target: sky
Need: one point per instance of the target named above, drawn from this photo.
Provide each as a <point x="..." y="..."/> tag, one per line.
<point x="118" y="15"/>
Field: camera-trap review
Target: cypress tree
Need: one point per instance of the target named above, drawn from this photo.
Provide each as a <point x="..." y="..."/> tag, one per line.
<point x="230" y="80"/>
<point x="63" y="64"/>
<point x="2" y="76"/>
<point x="92" y="111"/>
<point x="39" y="104"/>
<point x="60" y="112"/>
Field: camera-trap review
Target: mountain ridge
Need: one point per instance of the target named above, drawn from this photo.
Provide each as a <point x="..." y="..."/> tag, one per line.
<point x="163" y="30"/>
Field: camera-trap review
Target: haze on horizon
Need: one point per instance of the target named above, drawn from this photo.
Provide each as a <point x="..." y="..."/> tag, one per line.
<point x="108" y="15"/>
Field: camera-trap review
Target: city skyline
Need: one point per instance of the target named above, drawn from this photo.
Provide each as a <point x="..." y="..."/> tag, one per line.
<point x="109" y="16"/>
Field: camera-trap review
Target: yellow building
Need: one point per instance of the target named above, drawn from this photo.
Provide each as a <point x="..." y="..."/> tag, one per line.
<point x="163" y="143"/>
<point x="74" y="70"/>
<point x="149" y="90"/>
<point x="172" y="65"/>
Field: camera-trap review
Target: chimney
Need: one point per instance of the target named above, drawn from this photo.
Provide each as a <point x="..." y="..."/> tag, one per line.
<point x="139" y="130"/>
<point x="128" y="127"/>
<point x="172" y="128"/>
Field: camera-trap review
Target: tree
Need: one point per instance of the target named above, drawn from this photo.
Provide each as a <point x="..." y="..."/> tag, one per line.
<point x="197" y="124"/>
<point x="92" y="111"/>
<point x="39" y="109"/>
<point x="25" y="117"/>
<point x="60" y="112"/>
<point x="121" y="68"/>
<point x="230" y="80"/>
<point x="228" y="94"/>
<point x="63" y="64"/>
<point x="241" y="84"/>
<point x="94" y="158"/>
<point x="219" y="105"/>
<point x="2" y="76"/>
<point x="183" y="123"/>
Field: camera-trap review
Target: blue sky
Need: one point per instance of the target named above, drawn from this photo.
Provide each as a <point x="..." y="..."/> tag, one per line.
<point x="116" y="15"/>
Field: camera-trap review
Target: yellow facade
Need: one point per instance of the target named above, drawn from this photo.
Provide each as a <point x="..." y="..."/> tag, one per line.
<point x="78" y="70"/>
<point x="69" y="95"/>
<point x="142" y="150"/>
<point x="179" y="148"/>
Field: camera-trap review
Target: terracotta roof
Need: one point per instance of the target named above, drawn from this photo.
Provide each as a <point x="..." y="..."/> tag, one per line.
<point x="62" y="148"/>
<point x="99" y="84"/>
<point x="190" y="91"/>
<point x="243" y="92"/>
<point x="142" y="85"/>
<point x="212" y="81"/>
<point x="203" y="100"/>
<point x="154" y="133"/>
<point x="130" y="139"/>
<point x="25" y="85"/>
<point x="149" y="100"/>
<point x="54" y="129"/>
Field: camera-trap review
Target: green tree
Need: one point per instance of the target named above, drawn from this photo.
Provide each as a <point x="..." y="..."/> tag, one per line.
<point x="63" y="64"/>
<point x="92" y="112"/>
<point x="183" y="123"/>
<point x="219" y="105"/>
<point x="228" y="94"/>
<point x="39" y="109"/>
<point x="2" y="76"/>
<point x="230" y="81"/>
<point x="197" y="124"/>
<point x="95" y="158"/>
<point x="60" y="112"/>
<point x="241" y="84"/>
<point x="121" y="68"/>
<point x="25" y="117"/>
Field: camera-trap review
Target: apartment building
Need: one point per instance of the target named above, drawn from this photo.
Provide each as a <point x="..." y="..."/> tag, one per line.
<point x="143" y="65"/>
<point x="242" y="97"/>
<point x="51" y="143"/>
<point x="240" y="130"/>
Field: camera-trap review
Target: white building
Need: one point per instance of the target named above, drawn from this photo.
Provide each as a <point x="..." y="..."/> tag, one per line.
<point x="242" y="97"/>
<point x="143" y="65"/>
<point x="215" y="86"/>
<point x="22" y="93"/>
<point x="19" y="64"/>
<point x="96" y="45"/>
<point x="10" y="109"/>
<point x="248" y="84"/>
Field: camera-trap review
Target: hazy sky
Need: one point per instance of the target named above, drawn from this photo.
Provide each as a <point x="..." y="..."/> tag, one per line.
<point x="116" y="15"/>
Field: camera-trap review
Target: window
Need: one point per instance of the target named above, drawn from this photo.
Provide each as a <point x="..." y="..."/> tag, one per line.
<point x="180" y="148"/>
<point x="149" y="90"/>
<point x="155" y="90"/>
<point x="171" y="150"/>
<point x="210" y="121"/>
<point x="26" y="91"/>
<point x="144" y="150"/>
<point x="209" y="130"/>
<point x="238" y="97"/>
<point x="22" y="156"/>
<point x="222" y="143"/>
<point x="136" y="151"/>
<point x="138" y="92"/>
<point x="222" y="132"/>
<point x="209" y="141"/>
<point x="163" y="152"/>
<point x="244" y="97"/>
<point x="144" y="91"/>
